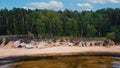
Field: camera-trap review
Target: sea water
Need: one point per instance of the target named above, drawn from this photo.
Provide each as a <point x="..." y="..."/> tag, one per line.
<point x="66" y="62"/>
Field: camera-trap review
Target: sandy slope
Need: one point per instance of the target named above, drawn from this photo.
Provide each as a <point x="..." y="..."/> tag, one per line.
<point x="55" y="50"/>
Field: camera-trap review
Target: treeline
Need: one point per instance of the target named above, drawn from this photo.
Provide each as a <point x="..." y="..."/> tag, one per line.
<point x="101" y="23"/>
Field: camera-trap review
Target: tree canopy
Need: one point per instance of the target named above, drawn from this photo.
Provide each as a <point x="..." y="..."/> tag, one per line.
<point x="100" y="23"/>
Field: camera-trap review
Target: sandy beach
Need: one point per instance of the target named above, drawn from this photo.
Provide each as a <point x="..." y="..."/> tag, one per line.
<point x="60" y="50"/>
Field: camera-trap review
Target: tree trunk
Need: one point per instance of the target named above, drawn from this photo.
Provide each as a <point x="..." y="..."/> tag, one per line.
<point x="99" y="33"/>
<point x="7" y="25"/>
<point x="81" y="33"/>
<point x="23" y="21"/>
<point x="14" y="26"/>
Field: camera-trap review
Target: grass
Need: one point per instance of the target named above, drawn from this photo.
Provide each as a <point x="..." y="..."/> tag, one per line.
<point x="83" y="38"/>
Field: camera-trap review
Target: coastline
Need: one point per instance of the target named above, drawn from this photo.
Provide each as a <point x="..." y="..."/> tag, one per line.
<point x="21" y="53"/>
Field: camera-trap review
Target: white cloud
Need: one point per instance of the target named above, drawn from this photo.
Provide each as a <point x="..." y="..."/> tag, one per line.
<point x="114" y="1"/>
<point x="103" y="1"/>
<point x="28" y="8"/>
<point x="97" y="1"/>
<point x="85" y="6"/>
<point x="44" y="5"/>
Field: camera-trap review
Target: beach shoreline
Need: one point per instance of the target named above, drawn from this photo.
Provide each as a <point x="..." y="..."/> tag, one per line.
<point x="60" y="51"/>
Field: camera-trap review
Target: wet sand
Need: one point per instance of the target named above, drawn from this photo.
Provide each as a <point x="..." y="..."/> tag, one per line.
<point x="58" y="51"/>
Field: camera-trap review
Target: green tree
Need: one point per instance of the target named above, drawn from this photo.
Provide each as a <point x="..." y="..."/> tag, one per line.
<point x="72" y="27"/>
<point x="91" y="30"/>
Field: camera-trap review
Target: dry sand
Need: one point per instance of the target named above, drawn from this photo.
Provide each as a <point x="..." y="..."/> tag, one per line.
<point x="61" y="50"/>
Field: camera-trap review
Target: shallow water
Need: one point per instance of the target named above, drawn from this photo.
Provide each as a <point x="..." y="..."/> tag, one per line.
<point x="66" y="62"/>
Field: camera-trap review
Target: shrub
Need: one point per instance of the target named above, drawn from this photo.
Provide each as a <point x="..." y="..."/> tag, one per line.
<point x="110" y="35"/>
<point x="117" y="37"/>
<point x="0" y="41"/>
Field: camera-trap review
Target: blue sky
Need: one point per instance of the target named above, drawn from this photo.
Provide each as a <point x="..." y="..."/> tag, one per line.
<point x="60" y="4"/>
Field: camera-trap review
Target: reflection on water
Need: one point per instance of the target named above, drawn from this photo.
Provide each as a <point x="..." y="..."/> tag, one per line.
<point x="68" y="62"/>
